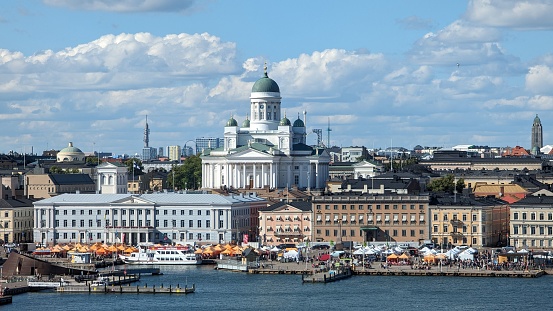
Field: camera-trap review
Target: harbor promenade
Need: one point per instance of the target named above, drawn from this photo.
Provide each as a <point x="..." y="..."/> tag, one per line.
<point x="276" y="267"/>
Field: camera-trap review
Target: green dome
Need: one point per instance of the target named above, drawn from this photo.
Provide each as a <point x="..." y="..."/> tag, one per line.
<point x="246" y="123"/>
<point x="299" y="123"/>
<point x="285" y="122"/>
<point x="265" y="84"/>
<point x="232" y="122"/>
<point x="70" y="149"/>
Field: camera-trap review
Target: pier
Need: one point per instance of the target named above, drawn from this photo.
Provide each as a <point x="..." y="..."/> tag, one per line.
<point x="106" y="289"/>
<point x="455" y="273"/>
<point x="327" y="277"/>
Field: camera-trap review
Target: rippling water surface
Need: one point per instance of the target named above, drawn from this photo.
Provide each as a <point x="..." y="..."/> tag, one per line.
<point x="223" y="290"/>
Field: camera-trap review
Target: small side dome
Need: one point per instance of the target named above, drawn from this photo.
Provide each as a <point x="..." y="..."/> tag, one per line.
<point x="246" y="123"/>
<point x="232" y="122"/>
<point x="285" y="122"/>
<point x="299" y="123"/>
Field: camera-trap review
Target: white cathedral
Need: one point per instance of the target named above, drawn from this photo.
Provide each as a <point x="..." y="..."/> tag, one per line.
<point x="267" y="151"/>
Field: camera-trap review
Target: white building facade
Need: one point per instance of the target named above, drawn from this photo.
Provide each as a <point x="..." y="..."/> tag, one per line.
<point x="131" y="219"/>
<point x="112" y="178"/>
<point x="266" y="151"/>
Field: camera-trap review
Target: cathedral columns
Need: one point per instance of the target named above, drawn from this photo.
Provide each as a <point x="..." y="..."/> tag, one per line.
<point x="244" y="175"/>
<point x="316" y="175"/>
<point x="255" y="183"/>
<point x="271" y="177"/>
<point x="263" y="183"/>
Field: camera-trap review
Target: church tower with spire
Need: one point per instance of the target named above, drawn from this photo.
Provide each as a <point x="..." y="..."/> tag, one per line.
<point x="537" y="136"/>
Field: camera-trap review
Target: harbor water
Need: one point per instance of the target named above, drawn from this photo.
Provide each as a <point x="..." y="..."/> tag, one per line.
<point x="225" y="290"/>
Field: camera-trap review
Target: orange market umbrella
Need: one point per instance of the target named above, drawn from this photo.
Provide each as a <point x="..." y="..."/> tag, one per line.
<point x="404" y="256"/>
<point x="199" y="251"/>
<point x="129" y="250"/>
<point x="227" y="252"/>
<point x="101" y="251"/>
<point x="112" y="249"/>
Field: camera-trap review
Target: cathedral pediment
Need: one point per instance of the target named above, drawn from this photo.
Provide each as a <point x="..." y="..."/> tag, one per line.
<point x="250" y="153"/>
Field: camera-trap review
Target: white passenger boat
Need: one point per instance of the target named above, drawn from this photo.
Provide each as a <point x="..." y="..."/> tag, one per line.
<point x="163" y="255"/>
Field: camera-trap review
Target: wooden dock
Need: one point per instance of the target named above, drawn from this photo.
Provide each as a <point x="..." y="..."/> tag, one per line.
<point x="126" y="289"/>
<point x="456" y="273"/>
<point x="327" y="277"/>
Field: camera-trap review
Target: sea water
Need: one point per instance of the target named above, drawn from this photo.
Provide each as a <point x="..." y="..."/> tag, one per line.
<point x="225" y="290"/>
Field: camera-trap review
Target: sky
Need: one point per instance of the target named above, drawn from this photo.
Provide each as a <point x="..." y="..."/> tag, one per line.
<point x="376" y="73"/>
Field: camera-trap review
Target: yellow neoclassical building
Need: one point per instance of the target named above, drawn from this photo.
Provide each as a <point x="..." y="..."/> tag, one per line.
<point x="464" y="220"/>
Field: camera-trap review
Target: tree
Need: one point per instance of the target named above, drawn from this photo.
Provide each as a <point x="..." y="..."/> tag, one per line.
<point x="56" y="170"/>
<point x="186" y="176"/>
<point x="134" y="166"/>
<point x="443" y="184"/>
<point x="93" y="160"/>
<point x="447" y="184"/>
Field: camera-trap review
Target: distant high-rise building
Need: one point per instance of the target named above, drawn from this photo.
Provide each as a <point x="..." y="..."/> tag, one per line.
<point x="209" y="143"/>
<point x="537" y="136"/>
<point x="149" y="153"/>
<point x="160" y="152"/>
<point x="174" y="153"/>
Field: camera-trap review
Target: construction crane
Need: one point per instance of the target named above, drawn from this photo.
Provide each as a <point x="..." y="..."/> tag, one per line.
<point x="319" y="133"/>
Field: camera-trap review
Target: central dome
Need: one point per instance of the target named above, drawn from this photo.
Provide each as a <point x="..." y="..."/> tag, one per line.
<point x="265" y="84"/>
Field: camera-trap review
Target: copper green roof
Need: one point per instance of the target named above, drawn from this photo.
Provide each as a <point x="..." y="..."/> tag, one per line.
<point x="246" y="123"/>
<point x="299" y="123"/>
<point x="285" y="122"/>
<point x="232" y="122"/>
<point x="265" y="84"/>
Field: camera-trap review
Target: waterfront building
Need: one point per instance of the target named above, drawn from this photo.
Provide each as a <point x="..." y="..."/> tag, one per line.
<point x="42" y="186"/>
<point x="537" y="136"/>
<point x="16" y="219"/>
<point x="466" y="220"/>
<point x="389" y="217"/>
<point x="181" y="218"/>
<point x="286" y="222"/>
<point x="266" y="151"/>
<point x="531" y="221"/>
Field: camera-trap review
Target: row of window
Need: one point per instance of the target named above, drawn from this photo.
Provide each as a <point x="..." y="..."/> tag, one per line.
<point x="464" y="229"/>
<point x="132" y="212"/>
<point x="370" y="206"/>
<point x="532" y="216"/>
<point x="352" y="233"/>
<point x="132" y="223"/>
<point x="463" y="217"/>
<point x="519" y="229"/>
<point x="73" y="236"/>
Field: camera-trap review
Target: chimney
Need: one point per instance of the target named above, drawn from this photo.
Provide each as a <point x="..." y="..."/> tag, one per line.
<point x="501" y="191"/>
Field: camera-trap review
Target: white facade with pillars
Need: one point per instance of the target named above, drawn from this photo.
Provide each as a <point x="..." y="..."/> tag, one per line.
<point x="131" y="219"/>
<point x="266" y="151"/>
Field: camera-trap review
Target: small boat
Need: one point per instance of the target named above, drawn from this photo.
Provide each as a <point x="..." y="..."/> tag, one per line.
<point x="162" y="255"/>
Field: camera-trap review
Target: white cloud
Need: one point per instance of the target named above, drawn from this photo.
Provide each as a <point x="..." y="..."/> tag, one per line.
<point x="525" y="14"/>
<point x="539" y="79"/>
<point x="125" y="5"/>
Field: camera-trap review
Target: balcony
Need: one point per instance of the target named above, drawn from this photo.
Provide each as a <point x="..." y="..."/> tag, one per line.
<point x="456" y="222"/>
<point x="456" y="234"/>
<point x="288" y="234"/>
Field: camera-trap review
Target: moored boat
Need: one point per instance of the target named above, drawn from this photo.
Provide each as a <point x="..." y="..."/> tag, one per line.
<point x="163" y="255"/>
